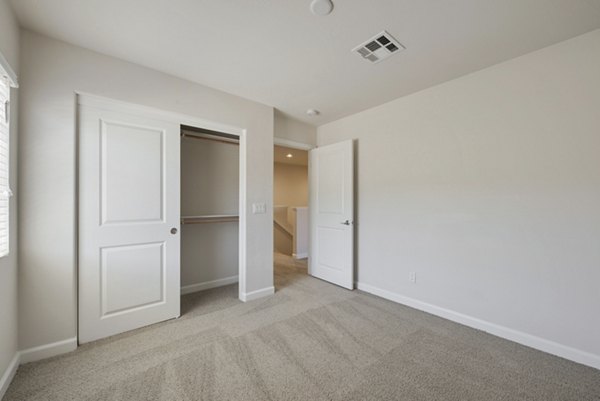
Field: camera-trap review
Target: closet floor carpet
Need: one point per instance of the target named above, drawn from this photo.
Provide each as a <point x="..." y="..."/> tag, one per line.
<point x="310" y="341"/>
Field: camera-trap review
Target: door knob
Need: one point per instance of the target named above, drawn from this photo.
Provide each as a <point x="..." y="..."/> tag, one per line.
<point x="346" y="223"/>
<point x="173" y="231"/>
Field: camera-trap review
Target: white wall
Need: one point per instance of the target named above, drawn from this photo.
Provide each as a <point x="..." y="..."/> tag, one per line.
<point x="301" y="233"/>
<point x="9" y="47"/>
<point x="290" y="185"/>
<point x="52" y="71"/>
<point x="209" y="255"/>
<point x="488" y="187"/>
<point x="209" y="185"/>
<point x="209" y="177"/>
<point x="293" y="130"/>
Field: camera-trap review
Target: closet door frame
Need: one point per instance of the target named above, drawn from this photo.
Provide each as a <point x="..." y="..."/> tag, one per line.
<point x="183" y="119"/>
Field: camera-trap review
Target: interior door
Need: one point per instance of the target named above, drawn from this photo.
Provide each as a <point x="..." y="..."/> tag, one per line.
<point x="331" y="208"/>
<point x="128" y="220"/>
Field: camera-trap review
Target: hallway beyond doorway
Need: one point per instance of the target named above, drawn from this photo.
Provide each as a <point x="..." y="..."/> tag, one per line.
<point x="288" y="270"/>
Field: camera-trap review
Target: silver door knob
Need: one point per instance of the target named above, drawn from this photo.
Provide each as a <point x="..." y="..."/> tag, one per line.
<point x="346" y="223"/>
<point x="173" y="231"/>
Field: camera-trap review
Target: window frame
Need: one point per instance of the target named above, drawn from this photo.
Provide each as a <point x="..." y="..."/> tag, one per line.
<point x="5" y="191"/>
<point x="9" y="81"/>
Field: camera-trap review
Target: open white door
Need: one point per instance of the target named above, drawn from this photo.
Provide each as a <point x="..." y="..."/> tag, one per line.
<point x="331" y="208"/>
<point x="128" y="220"/>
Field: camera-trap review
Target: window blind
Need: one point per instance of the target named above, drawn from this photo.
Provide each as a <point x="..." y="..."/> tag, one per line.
<point x="5" y="192"/>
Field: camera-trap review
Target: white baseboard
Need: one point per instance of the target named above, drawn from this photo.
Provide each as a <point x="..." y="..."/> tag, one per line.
<point x="188" y="289"/>
<point x="48" y="350"/>
<point x="529" y="340"/>
<point x="251" y="296"/>
<point x="9" y="374"/>
<point x="302" y="255"/>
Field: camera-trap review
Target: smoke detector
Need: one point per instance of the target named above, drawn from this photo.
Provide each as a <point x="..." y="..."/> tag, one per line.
<point x="378" y="48"/>
<point x="321" y="7"/>
<point x="313" y="112"/>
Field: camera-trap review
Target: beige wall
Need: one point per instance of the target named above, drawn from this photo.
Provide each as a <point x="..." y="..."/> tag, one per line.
<point x="293" y="130"/>
<point x="488" y="187"/>
<point x="52" y="72"/>
<point x="9" y="47"/>
<point x="290" y="185"/>
<point x="209" y="177"/>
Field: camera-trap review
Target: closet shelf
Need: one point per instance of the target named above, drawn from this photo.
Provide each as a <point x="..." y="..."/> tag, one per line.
<point x="213" y="218"/>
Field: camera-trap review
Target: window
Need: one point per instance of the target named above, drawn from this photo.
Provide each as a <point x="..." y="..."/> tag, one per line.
<point x="5" y="191"/>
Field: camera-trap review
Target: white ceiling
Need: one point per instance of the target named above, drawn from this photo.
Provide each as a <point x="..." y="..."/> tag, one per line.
<point x="276" y="52"/>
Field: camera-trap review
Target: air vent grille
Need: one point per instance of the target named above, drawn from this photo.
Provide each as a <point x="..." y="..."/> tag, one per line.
<point x="378" y="48"/>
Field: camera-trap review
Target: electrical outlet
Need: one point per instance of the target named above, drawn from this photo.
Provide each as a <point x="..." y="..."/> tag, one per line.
<point x="412" y="276"/>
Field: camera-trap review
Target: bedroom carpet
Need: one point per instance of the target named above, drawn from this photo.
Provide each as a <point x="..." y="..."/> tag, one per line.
<point x="310" y="341"/>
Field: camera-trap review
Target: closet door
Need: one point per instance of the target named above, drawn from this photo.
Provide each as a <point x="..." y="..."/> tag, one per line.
<point x="128" y="219"/>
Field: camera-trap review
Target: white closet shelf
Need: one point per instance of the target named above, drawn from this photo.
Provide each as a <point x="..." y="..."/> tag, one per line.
<point x="211" y="218"/>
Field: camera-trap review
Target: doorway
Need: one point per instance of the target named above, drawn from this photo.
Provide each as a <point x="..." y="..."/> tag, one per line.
<point x="209" y="177"/>
<point x="290" y="214"/>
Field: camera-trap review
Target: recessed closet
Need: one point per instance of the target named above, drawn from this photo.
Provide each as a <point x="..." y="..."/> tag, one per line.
<point x="209" y="209"/>
<point x="157" y="216"/>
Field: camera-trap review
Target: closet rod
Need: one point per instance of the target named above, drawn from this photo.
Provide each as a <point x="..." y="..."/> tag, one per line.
<point x="190" y="128"/>
<point x="209" y="139"/>
<point x="210" y="221"/>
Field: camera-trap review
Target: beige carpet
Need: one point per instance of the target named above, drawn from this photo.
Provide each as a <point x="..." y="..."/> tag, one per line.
<point x="310" y="341"/>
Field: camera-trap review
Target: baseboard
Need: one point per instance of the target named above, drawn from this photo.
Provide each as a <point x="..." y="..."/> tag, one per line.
<point x="9" y="374"/>
<point x="48" y="350"/>
<point x="251" y="296"/>
<point x="302" y="255"/>
<point x="188" y="289"/>
<point x="529" y="340"/>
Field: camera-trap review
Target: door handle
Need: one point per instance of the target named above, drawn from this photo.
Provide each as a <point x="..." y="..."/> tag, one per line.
<point x="173" y="231"/>
<point x="346" y="223"/>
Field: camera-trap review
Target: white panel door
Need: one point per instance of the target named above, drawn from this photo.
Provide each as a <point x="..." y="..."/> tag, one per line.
<point x="128" y="221"/>
<point x="331" y="208"/>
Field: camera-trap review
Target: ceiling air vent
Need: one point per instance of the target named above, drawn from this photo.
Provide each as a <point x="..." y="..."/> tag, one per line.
<point x="379" y="47"/>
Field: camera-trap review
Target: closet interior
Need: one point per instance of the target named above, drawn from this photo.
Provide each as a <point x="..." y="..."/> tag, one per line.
<point x="209" y="209"/>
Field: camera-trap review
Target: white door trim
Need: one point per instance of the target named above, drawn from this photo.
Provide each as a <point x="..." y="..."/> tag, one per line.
<point x="292" y="144"/>
<point x="83" y="98"/>
<point x="300" y="146"/>
<point x="183" y="119"/>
